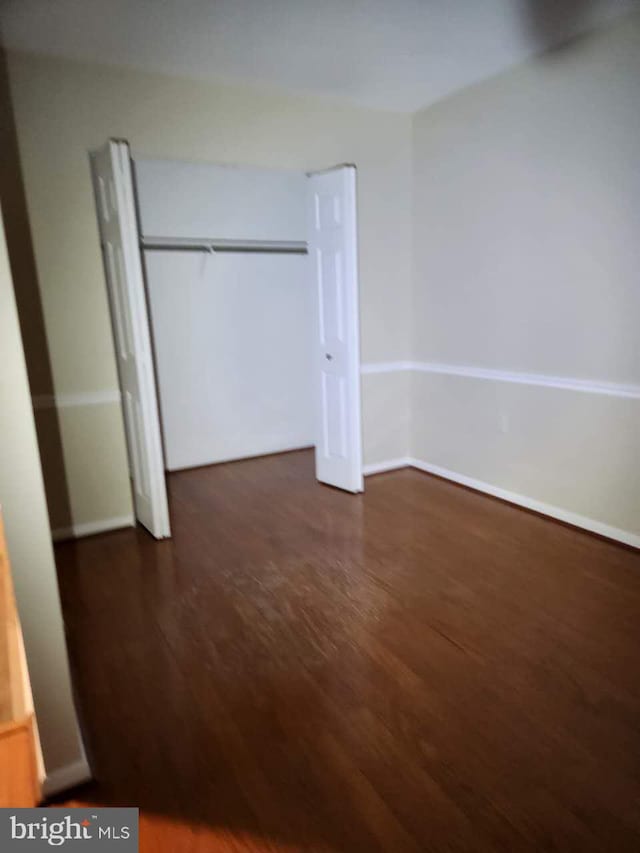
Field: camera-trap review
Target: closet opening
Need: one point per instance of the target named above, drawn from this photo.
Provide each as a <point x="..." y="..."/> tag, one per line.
<point x="234" y="303"/>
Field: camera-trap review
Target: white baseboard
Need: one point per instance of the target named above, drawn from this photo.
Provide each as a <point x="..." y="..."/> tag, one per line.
<point x="573" y="518"/>
<point x="531" y="503"/>
<point x="88" y="528"/>
<point x="387" y="465"/>
<point x="289" y="447"/>
<point x="66" y="777"/>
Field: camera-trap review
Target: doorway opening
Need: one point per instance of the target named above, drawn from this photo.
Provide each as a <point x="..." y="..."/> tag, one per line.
<point x="234" y="302"/>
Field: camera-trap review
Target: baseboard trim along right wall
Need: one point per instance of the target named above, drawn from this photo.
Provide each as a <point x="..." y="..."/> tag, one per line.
<point x="581" y="521"/>
<point x="571" y="470"/>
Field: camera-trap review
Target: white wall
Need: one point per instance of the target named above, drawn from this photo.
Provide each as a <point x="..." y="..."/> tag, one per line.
<point x="65" y="109"/>
<point x="233" y="338"/>
<point x="527" y="251"/>
<point x="27" y="527"/>
<point x="178" y="199"/>
<point x="233" y="332"/>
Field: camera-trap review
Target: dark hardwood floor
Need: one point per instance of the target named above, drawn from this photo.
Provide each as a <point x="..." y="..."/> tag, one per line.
<point x="420" y="668"/>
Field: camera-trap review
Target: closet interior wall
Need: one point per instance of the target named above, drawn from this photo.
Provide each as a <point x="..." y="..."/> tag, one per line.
<point x="232" y="327"/>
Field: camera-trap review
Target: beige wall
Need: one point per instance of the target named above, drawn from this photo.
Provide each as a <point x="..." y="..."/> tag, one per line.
<point x="27" y="526"/>
<point x="527" y="236"/>
<point x="573" y="451"/>
<point x="386" y="416"/>
<point x="65" y="109"/>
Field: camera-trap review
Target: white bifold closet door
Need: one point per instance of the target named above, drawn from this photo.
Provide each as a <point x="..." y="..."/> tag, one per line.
<point x="333" y="250"/>
<point x="113" y="184"/>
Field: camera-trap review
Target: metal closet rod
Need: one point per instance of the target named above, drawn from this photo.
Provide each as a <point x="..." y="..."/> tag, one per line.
<point x="205" y="244"/>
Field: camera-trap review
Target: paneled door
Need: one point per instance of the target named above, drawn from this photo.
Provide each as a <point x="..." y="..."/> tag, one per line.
<point x="333" y="254"/>
<point x="115" y="202"/>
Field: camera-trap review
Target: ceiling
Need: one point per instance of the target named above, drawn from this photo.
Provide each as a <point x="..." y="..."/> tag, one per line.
<point x="392" y="54"/>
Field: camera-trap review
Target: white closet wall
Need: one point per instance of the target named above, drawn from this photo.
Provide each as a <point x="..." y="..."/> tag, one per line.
<point x="232" y="331"/>
<point x="233" y="342"/>
<point x="190" y="200"/>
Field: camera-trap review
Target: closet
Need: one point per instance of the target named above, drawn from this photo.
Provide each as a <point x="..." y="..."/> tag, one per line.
<point x="230" y="297"/>
<point x="234" y="302"/>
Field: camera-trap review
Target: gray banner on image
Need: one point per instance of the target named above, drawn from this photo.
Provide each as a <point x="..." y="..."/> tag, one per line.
<point x="69" y="829"/>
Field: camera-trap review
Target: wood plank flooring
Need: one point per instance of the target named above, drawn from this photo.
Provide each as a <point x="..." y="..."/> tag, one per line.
<point x="419" y="668"/>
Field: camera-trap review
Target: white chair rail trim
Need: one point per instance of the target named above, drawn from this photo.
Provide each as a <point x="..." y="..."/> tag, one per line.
<point x="82" y="398"/>
<point x="567" y="383"/>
